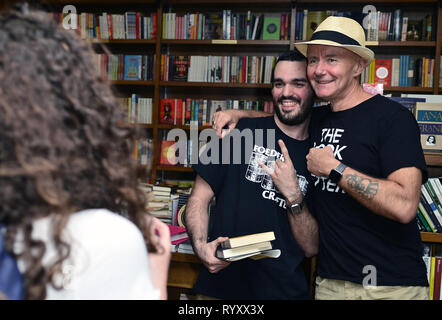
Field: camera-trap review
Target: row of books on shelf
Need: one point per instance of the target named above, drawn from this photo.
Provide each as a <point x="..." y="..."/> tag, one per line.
<point x="172" y="155"/>
<point x="379" y="26"/>
<point x="200" y="111"/>
<point x="139" y="110"/>
<point x="400" y="72"/>
<point x="218" y="69"/>
<point x="226" y="25"/>
<point x="429" y="213"/>
<point x="400" y="26"/>
<point x="125" y="67"/>
<point x="432" y="257"/>
<point x="112" y="26"/>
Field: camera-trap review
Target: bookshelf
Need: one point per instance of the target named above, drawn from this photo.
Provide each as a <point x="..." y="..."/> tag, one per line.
<point x="158" y="89"/>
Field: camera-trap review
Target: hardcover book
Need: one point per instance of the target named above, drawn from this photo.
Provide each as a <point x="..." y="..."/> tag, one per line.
<point x="272" y="27"/>
<point x="429" y="119"/>
<point x="168" y="153"/>
<point x="383" y="71"/>
<point x="248" y="240"/>
<point x="255" y="248"/>
<point x="132" y="67"/>
<point x="180" y="69"/>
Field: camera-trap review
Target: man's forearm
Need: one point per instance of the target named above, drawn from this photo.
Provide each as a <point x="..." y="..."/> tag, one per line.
<point x="395" y="198"/>
<point x="305" y="231"/>
<point x="251" y="114"/>
<point x="197" y="220"/>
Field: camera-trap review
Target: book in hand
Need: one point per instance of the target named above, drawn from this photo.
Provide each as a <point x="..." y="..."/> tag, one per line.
<point x="248" y="240"/>
<point x="250" y="246"/>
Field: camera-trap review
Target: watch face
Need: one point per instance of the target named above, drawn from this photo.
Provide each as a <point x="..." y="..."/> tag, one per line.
<point x="295" y="208"/>
<point x="335" y="176"/>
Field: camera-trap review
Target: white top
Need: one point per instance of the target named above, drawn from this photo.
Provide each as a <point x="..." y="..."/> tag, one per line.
<point x="108" y="259"/>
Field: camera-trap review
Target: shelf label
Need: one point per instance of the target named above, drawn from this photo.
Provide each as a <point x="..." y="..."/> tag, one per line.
<point x="220" y="41"/>
<point x="371" y="43"/>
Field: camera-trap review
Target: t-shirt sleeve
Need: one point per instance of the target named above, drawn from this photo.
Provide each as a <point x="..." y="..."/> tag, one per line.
<point x="210" y="166"/>
<point x="400" y="147"/>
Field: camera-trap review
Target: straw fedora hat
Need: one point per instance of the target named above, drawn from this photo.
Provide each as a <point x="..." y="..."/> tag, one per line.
<point x="339" y="32"/>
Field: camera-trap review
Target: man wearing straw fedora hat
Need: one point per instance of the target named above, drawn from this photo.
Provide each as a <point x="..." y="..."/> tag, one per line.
<point x="368" y="168"/>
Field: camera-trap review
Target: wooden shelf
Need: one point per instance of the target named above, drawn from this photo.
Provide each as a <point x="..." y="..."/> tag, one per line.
<point x="215" y="84"/>
<point x="174" y="168"/>
<point x="184" y="127"/>
<point x="124" y="41"/>
<point x="227" y="42"/>
<point x="404" y="44"/>
<point x="183" y="271"/>
<point x="133" y="82"/>
<point x="409" y="89"/>
<point x="433" y="159"/>
<point x="431" y="237"/>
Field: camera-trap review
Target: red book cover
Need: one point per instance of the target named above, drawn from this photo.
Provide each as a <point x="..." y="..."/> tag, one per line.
<point x="167" y="155"/>
<point x="109" y="26"/>
<point x="167" y="111"/>
<point x="382" y="72"/>
<point x="154" y="25"/>
<point x="178" y="112"/>
<point x="178" y="234"/>
<point x="138" y="25"/>
<point x="180" y="65"/>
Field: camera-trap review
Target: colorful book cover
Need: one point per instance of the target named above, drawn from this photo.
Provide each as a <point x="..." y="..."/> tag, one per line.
<point x="180" y="65"/>
<point x="382" y="72"/>
<point x="167" y="111"/>
<point x="429" y="119"/>
<point x="271" y="29"/>
<point x="168" y="153"/>
<point x="132" y="67"/>
<point x="409" y="103"/>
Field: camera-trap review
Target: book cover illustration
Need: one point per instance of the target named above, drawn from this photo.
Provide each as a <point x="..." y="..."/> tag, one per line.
<point x="132" y="67"/>
<point x="429" y="119"/>
<point x="168" y="153"/>
<point x="382" y="73"/>
<point x="272" y="27"/>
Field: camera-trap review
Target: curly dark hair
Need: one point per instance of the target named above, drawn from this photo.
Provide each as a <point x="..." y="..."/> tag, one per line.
<point x="61" y="149"/>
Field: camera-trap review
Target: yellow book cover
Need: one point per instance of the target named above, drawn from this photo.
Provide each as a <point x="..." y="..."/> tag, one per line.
<point x="432" y="272"/>
<point x="314" y="19"/>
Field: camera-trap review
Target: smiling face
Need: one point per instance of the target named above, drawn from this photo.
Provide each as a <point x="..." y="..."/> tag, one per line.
<point x="333" y="71"/>
<point x="292" y="93"/>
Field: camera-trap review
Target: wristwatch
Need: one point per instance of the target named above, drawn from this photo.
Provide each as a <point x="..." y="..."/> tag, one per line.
<point x="295" y="208"/>
<point x="336" y="174"/>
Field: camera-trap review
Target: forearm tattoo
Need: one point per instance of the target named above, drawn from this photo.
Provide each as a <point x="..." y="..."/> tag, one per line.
<point x="364" y="186"/>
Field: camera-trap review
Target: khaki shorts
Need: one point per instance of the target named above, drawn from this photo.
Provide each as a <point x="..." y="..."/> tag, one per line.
<point x="330" y="289"/>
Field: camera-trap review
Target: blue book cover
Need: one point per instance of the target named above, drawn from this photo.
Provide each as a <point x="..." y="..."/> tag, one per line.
<point x="132" y="67"/>
<point x="407" y="102"/>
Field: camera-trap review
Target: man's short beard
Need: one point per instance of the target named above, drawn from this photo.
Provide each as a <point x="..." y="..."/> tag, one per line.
<point x="305" y="111"/>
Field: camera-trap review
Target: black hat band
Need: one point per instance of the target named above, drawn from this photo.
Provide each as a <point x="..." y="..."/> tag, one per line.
<point x="335" y="37"/>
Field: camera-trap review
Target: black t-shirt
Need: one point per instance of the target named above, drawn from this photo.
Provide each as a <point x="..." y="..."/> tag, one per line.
<point x="246" y="203"/>
<point x="377" y="137"/>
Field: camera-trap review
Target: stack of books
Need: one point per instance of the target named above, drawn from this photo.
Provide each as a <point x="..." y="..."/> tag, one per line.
<point x="162" y="203"/>
<point x="256" y="245"/>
